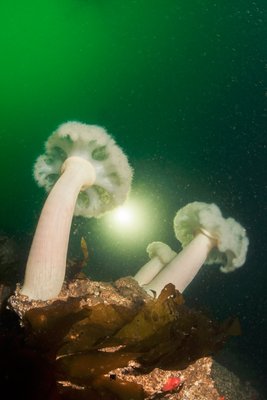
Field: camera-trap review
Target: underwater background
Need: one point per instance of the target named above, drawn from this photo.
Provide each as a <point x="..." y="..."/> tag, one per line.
<point x="181" y="86"/>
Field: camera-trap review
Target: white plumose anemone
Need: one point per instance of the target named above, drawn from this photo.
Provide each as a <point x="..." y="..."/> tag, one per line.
<point x="87" y="174"/>
<point x="160" y="255"/>
<point x="206" y="238"/>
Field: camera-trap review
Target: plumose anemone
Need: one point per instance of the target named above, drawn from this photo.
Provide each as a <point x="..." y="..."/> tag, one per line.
<point x="206" y="238"/>
<point x="86" y="174"/>
<point x="160" y="255"/>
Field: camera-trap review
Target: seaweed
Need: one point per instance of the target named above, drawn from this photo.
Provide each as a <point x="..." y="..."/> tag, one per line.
<point x="85" y="341"/>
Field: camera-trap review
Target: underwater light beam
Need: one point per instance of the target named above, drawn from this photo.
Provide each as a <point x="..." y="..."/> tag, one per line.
<point x="124" y="216"/>
<point x="130" y="217"/>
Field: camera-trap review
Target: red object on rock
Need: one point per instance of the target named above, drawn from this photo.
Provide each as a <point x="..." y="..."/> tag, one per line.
<point x="172" y="383"/>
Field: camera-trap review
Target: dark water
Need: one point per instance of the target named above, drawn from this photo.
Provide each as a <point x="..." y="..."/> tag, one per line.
<point x="181" y="85"/>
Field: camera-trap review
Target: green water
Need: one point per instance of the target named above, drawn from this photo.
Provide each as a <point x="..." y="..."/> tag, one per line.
<point x="181" y="85"/>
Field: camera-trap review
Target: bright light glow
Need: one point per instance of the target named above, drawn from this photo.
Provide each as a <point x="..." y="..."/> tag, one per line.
<point x="128" y="218"/>
<point x="124" y="215"/>
<point x="128" y="229"/>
